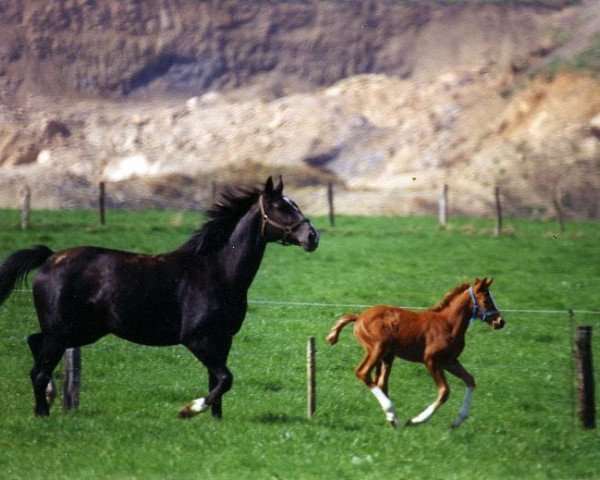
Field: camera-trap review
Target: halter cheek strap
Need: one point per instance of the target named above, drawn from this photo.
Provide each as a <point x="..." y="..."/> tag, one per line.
<point x="479" y="309"/>
<point x="287" y="230"/>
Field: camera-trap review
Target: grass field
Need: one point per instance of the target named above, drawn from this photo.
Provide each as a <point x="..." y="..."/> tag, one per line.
<point x="523" y="422"/>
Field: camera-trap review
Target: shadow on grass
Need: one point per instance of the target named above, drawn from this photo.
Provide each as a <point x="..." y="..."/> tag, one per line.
<point x="280" y="419"/>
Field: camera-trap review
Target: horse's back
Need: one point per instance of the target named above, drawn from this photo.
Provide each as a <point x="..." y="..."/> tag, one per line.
<point x="88" y="292"/>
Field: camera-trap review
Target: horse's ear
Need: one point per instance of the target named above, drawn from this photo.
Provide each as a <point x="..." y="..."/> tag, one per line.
<point x="269" y="187"/>
<point x="489" y="281"/>
<point x="271" y="190"/>
<point x="279" y="187"/>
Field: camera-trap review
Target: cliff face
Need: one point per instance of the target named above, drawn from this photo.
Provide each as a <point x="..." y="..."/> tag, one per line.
<point x="388" y="99"/>
<point x="112" y="48"/>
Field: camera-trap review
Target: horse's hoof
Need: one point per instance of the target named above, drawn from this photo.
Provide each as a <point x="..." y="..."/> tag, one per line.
<point x="410" y="423"/>
<point x="194" y="408"/>
<point x="50" y="392"/>
<point x="41" y="412"/>
<point x="394" y="423"/>
<point x="187" y="412"/>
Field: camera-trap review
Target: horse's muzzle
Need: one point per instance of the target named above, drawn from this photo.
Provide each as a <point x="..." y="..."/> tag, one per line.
<point x="308" y="237"/>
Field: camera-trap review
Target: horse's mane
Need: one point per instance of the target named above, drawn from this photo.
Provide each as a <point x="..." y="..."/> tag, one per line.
<point x="451" y="295"/>
<point x="223" y="215"/>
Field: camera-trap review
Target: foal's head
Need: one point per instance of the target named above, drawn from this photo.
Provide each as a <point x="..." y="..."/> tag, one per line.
<point x="282" y="220"/>
<point x="484" y="306"/>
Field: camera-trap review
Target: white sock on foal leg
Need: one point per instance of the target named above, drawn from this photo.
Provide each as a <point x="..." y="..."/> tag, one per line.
<point x="424" y="415"/>
<point x="465" y="409"/>
<point x="386" y="404"/>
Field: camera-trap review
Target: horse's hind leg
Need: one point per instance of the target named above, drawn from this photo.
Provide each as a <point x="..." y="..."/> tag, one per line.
<point x="35" y="345"/>
<point x="384" y="368"/>
<point x="372" y="360"/>
<point x="50" y="350"/>
<point x="459" y="371"/>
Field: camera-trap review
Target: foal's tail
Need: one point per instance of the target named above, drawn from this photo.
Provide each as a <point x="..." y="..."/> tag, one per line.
<point x="16" y="266"/>
<point x="334" y="333"/>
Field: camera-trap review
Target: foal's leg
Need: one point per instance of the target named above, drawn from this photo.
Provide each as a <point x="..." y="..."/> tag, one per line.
<point x="35" y="345"/>
<point x="213" y="353"/>
<point x="384" y="368"/>
<point x="443" y="393"/>
<point x="372" y="359"/>
<point x="50" y="352"/>
<point x="458" y="370"/>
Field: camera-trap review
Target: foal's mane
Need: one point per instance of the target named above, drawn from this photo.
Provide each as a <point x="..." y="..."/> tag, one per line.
<point x="223" y="215"/>
<point x="451" y="295"/>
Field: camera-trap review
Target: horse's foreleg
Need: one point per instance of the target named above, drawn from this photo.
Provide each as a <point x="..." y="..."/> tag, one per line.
<point x="459" y="371"/>
<point x="223" y="383"/>
<point x="212" y="352"/>
<point x="363" y="372"/>
<point x="443" y="393"/>
<point x="217" y="406"/>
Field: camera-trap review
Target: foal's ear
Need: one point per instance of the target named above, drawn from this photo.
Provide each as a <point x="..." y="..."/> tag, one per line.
<point x="489" y="281"/>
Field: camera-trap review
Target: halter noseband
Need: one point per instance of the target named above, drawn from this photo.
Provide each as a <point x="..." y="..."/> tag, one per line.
<point x="286" y="229"/>
<point x="477" y="308"/>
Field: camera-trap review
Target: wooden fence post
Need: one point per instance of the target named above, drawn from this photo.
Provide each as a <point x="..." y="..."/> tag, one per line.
<point x="330" y="203"/>
<point x="559" y="211"/>
<point x="498" y="211"/>
<point x="585" y="377"/>
<point x="443" y="211"/>
<point x="310" y="377"/>
<point x="72" y="378"/>
<point x="25" y="212"/>
<point x="102" y="203"/>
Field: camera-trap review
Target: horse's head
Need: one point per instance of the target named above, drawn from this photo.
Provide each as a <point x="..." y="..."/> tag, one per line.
<point x="484" y="307"/>
<point x="282" y="220"/>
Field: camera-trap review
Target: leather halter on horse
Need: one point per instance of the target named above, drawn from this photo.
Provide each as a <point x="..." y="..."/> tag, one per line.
<point x="287" y="230"/>
<point x="477" y="308"/>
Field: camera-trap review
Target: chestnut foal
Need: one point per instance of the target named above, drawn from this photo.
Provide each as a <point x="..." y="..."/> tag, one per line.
<point x="434" y="337"/>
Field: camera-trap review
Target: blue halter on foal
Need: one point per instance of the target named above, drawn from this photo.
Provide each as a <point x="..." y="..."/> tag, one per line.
<point x="479" y="309"/>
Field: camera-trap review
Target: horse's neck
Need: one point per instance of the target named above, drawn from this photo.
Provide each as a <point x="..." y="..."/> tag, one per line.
<point x="459" y="314"/>
<point x="241" y="256"/>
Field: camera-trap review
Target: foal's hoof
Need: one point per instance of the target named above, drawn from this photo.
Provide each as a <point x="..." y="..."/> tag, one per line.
<point x="394" y="423"/>
<point x="457" y="423"/>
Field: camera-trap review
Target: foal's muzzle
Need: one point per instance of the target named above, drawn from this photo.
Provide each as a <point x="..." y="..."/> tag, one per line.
<point x="497" y="323"/>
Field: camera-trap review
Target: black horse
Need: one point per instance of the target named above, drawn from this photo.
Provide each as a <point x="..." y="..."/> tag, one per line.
<point x="195" y="296"/>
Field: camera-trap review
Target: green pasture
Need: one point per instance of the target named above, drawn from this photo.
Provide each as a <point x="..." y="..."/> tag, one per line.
<point x="523" y="422"/>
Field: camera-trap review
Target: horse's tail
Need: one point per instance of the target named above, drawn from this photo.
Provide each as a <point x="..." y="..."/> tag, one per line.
<point x="334" y="333"/>
<point x="16" y="266"/>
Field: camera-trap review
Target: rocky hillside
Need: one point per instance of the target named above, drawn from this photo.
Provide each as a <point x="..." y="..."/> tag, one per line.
<point x="389" y="100"/>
